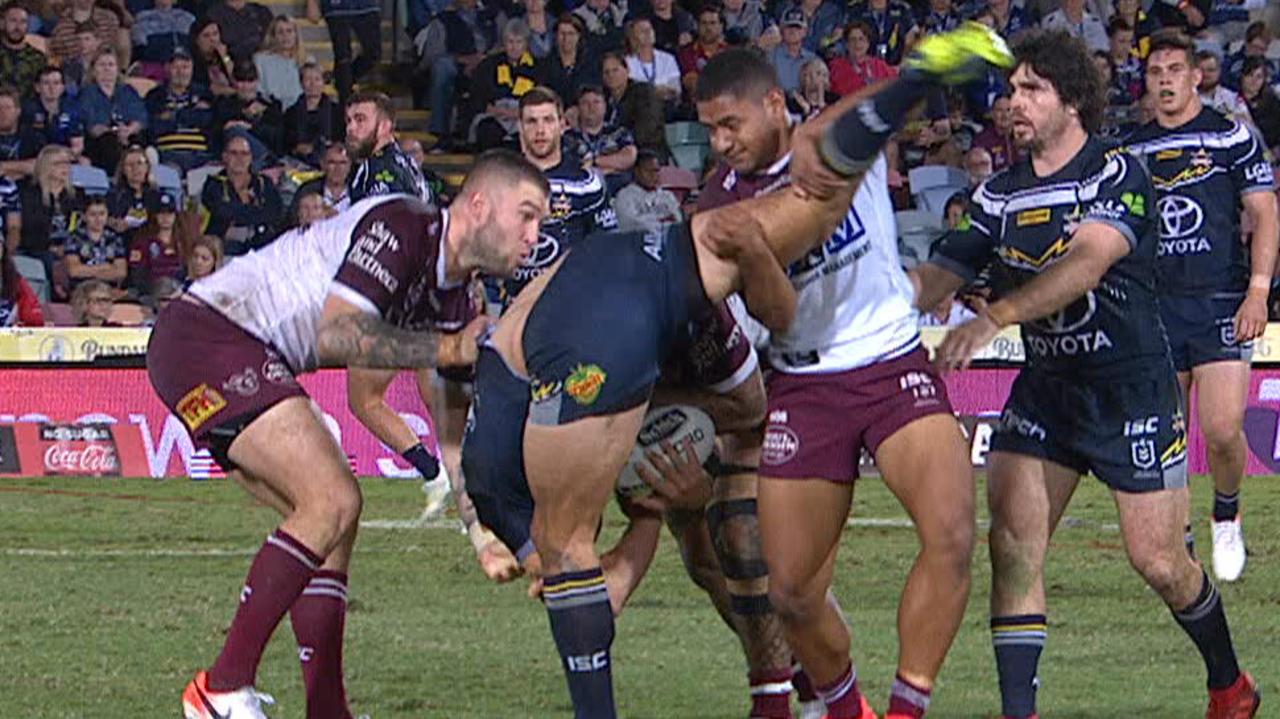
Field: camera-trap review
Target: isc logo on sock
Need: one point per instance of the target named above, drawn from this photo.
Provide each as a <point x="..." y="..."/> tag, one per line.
<point x="588" y="662"/>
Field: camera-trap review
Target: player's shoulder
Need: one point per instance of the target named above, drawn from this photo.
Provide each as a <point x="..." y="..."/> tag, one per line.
<point x="574" y="179"/>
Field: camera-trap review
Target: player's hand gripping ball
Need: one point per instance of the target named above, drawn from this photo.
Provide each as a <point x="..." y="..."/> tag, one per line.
<point x="675" y="425"/>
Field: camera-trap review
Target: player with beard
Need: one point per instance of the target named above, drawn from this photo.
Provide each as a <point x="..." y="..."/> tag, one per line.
<point x="379" y="286"/>
<point x="559" y="402"/>
<point x="1213" y="287"/>
<point x="1072" y="234"/>
<point x="371" y="139"/>
<point x="853" y="353"/>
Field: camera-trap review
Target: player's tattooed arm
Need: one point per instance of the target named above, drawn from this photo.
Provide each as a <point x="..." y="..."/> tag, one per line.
<point x="933" y="283"/>
<point x="357" y="339"/>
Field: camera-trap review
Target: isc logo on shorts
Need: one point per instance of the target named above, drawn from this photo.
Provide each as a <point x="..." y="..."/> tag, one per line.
<point x="197" y="406"/>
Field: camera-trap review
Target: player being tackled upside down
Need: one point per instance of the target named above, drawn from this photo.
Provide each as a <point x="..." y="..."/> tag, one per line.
<point x="585" y="392"/>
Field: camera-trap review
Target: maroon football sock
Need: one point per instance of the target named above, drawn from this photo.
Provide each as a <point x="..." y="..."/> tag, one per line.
<point x="318" y="617"/>
<point x="842" y="697"/>
<point x="277" y="576"/>
<point x="770" y="694"/>
<point x="907" y="699"/>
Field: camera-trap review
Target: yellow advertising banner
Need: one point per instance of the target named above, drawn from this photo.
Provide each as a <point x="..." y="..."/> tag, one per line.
<point x="71" y="344"/>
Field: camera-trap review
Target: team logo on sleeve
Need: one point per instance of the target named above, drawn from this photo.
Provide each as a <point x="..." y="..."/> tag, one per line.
<point x="584" y="383"/>
<point x="197" y="406"/>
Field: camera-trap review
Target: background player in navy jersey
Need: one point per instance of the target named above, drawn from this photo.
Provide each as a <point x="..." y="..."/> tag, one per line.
<point x="381" y="166"/>
<point x="1213" y="287"/>
<point x="1072" y="233"/>
<point x="560" y="403"/>
<point x="579" y="197"/>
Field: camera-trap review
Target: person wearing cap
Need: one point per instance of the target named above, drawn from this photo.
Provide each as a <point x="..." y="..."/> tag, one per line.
<point x="789" y="57"/>
<point x="823" y="21"/>
<point x="156" y="249"/>
<point x="179" y="114"/>
<point x="250" y="112"/>
<point x="157" y="33"/>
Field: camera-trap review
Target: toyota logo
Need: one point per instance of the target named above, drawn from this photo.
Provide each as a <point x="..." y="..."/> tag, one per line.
<point x="1070" y="318"/>
<point x="1179" y="216"/>
<point x="543" y="253"/>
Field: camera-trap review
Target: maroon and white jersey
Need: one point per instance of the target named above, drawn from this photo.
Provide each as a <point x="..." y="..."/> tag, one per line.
<point x="384" y="255"/>
<point x="854" y="302"/>
<point x="720" y="356"/>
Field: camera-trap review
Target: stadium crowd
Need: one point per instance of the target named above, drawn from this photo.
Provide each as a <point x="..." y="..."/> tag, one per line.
<point x="112" y="112"/>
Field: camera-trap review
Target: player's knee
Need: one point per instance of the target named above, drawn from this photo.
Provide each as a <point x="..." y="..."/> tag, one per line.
<point x="344" y="507"/>
<point x="951" y="546"/>
<point x="1223" y="437"/>
<point x="794" y="602"/>
<point x="1163" y="571"/>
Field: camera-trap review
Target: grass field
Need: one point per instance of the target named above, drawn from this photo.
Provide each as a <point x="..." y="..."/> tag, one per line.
<point x="113" y="592"/>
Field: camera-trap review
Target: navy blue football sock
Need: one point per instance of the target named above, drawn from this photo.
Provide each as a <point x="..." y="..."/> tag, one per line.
<point x="1018" y="641"/>
<point x="422" y="460"/>
<point x="1225" y="506"/>
<point x="855" y="138"/>
<point x="582" y="624"/>
<point x="1205" y="621"/>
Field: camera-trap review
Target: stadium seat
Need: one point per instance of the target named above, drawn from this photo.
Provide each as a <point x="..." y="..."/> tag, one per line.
<point x="933" y="185"/>
<point x="690" y="157"/>
<point x="33" y="271"/>
<point x="675" y="178"/>
<point x="689" y="143"/>
<point x="917" y="231"/>
<point x="196" y="178"/>
<point x="169" y="179"/>
<point x="93" y="180"/>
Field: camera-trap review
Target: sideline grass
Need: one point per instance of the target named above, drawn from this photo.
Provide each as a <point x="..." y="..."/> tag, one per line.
<point x="112" y="592"/>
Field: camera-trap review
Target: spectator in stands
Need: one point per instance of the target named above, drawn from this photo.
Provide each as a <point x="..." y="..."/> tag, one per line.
<point x="452" y="46"/>
<point x="602" y="21"/>
<point x="633" y="105"/>
<point x="308" y="207"/>
<point x="1008" y="19"/>
<point x="50" y="208"/>
<point x="249" y="111"/>
<point x="75" y="71"/>
<point x="279" y="61"/>
<point x="158" y="296"/>
<point x="363" y="18"/>
<point x="212" y="64"/>
<point x="940" y="17"/>
<point x="78" y="16"/>
<point x="647" y="63"/>
<point x="156" y="249"/>
<point x="18" y="144"/>
<point x="94" y="251"/>
<point x="997" y="138"/>
<point x="131" y="194"/>
<point x="203" y="258"/>
<point x="814" y="93"/>
<point x="857" y="68"/>
<point x="610" y="149"/>
<point x="644" y="205"/>
<point x="694" y="56"/>
<point x="51" y="116"/>
<point x="744" y="23"/>
<point x="791" y="55"/>
<point x="977" y="162"/>
<point x="542" y="28"/>
<point x="156" y="34"/>
<point x="1257" y="39"/>
<point x="1075" y="20"/>
<point x="1213" y="94"/>
<point x="244" y="207"/>
<point x="92" y="304"/>
<point x="1191" y="16"/>
<point x="672" y="26"/>
<point x="824" y="23"/>
<point x="331" y="187"/>
<point x="1261" y="98"/>
<point x="10" y="213"/>
<point x="20" y="63"/>
<point x="893" y="27"/>
<point x="572" y="66"/>
<point x="1127" y="71"/>
<point x="1143" y="25"/>
<point x="500" y="81"/>
<point x="114" y="115"/>
<point x="19" y="305"/>
<point x="179" y="115"/>
<point x="314" y="121"/>
<point x="243" y="25"/>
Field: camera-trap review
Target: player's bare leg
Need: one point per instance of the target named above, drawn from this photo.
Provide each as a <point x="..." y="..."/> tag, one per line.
<point x="801" y="559"/>
<point x="1222" y="394"/>
<point x="572" y="469"/>
<point x="1026" y="497"/>
<point x="936" y="489"/>
<point x="1151" y="524"/>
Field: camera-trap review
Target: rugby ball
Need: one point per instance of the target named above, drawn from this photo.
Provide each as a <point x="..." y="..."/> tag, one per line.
<point x="675" y="424"/>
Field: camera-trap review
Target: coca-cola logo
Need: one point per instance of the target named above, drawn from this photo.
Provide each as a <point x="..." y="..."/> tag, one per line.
<point x="91" y="459"/>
